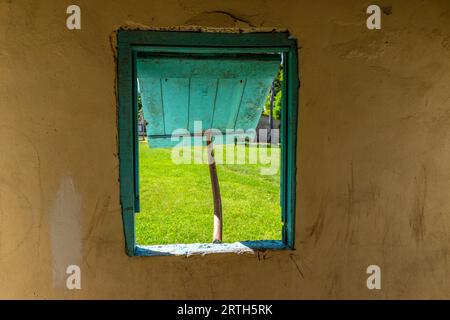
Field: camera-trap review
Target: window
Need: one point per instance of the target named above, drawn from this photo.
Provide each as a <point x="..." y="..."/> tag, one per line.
<point x="137" y="48"/>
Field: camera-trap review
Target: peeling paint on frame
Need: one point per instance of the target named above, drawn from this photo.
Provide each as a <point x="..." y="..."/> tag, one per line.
<point x="131" y="41"/>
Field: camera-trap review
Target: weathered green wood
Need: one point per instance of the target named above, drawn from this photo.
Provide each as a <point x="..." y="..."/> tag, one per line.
<point x="209" y="67"/>
<point x="135" y="137"/>
<point x="153" y="102"/>
<point x="252" y="103"/>
<point x="198" y="88"/>
<point x="126" y="143"/>
<point x="217" y="199"/>
<point x="202" y="102"/>
<point x="175" y="92"/>
<point x="229" y="95"/>
<point x="209" y="50"/>
<point x="199" y="43"/>
<point x="283" y="160"/>
<point x="290" y="122"/>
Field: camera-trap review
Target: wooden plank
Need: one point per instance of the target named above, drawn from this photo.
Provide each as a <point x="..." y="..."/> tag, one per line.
<point x="135" y="136"/>
<point x="207" y="68"/>
<point x="175" y="93"/>
<point x="229" y="95"/>
<point x="152" y="104"/>
<point x="201" y="103"/>
<point x="209" y="50"/>
<point x="291" y="142"/>
<point x="126" y="135"/>
<point x="252" y="104"/>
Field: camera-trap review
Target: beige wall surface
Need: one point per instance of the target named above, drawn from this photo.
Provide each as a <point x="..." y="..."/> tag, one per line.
<point x="373" y="153"/>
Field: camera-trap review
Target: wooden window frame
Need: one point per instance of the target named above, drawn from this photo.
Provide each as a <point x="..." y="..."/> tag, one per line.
<point x="130" y="42"/>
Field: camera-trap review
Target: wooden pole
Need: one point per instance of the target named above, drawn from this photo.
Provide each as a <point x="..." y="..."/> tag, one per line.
<point x="217" y="232"/>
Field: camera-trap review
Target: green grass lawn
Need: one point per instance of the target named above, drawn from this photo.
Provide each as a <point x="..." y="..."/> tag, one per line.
<point x="177" y="205"/>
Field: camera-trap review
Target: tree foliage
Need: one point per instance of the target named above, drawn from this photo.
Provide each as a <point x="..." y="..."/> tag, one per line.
<point x="277" y="97"/>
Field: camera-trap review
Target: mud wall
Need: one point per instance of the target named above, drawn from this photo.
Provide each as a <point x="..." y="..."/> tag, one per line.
<point x="373" y="153"/>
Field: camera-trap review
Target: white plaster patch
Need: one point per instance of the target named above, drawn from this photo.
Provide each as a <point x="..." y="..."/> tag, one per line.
<point x="65" y="232"/>
<point x="208" y="248"/>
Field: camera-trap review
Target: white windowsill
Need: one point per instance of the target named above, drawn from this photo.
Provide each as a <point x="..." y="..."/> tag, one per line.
<point x="208" y="248"/>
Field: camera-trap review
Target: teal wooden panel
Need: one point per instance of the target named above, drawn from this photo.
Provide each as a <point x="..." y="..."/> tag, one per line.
<point x="291" y="121"/>
<point x="164" y="142"/>
<point x="208" y="50"/>
<point x="201" y="103"/>
<point x="152" y="104"/>
<point x="254" y="96"/>
<point x="209" y="67"/>
<point x="175" y="93"/>
<point x="283" y="162"/>
<point x="229" y="95"/>
<point x="127" y="173"/>
<point x="137" y="205"/>
<point x="130" y="41"/>
<point x="224" y="92"/>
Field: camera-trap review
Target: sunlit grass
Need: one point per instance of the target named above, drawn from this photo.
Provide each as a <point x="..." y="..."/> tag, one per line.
<point x="177" y="205"/>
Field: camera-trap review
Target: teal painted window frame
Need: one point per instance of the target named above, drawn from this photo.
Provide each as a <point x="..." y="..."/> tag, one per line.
<point x="129" y="42"/>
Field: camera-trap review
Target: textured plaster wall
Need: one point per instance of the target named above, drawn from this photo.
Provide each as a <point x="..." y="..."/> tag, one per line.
<point x="374" y="153"/>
